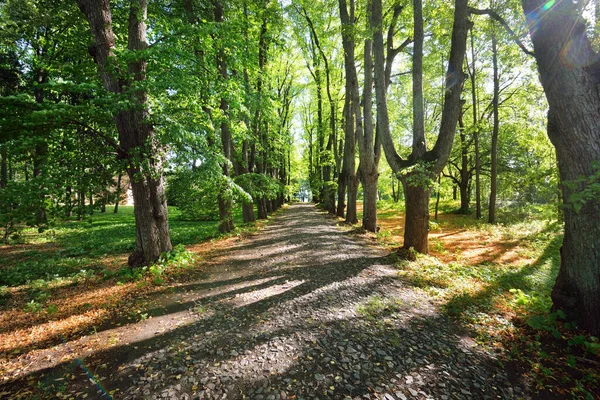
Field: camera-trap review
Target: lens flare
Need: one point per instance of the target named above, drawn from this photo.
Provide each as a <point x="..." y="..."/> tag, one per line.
<point x="548" y="5"/>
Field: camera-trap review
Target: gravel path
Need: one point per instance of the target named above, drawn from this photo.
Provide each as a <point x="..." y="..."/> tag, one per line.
<point x="303" y="310"/>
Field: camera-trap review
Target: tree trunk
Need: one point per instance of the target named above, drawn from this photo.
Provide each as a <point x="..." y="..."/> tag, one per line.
<point x="465" y="172"/>
<point x="40" y="155"/>
<point x="91" y="198"/>
<point x="118" y="193"/>
<point x="571" y="87"/>
<point x="4" y="167"/>
<point x="349" y="135"/>
<point x="369" y="181"/>
<point x="475" y="132"/>
<point x="225" y="195"/>
<point x="68" y="205"/>
<point x="437" y="195"/>
<point x="136" y="134"/>
<point x="416" y="227"/>
<point x="351" y="214"/>
<point x="225" y="214"/>
<point x="262" y="208"/>
<point x="248" y="212"/>
<point x="353" y="127"/>
<point x="417" y="198"/>
<point x="495" y="131"/>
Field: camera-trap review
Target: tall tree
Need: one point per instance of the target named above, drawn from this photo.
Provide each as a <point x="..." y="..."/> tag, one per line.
<point x="426" y="166"/>
<point x="138" y="142"/>
<point x="568" y="68"/>
<point x="495" y="130"/>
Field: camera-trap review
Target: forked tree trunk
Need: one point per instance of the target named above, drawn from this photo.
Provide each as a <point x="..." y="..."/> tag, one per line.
<point x="571" y="86"/>
<point x="417" y="197"/>
<point x="136" y="134"/>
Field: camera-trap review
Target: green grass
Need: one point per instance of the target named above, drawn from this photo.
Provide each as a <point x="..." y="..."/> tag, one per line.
<point x="74" y="247"/>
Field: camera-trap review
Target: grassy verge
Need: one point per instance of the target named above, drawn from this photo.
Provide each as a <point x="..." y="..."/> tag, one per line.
<point x="95" y="245"/>
<point x="72" y="279"/>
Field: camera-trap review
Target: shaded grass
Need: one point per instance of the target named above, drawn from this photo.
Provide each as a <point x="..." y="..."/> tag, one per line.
<point x="73" y="246"/>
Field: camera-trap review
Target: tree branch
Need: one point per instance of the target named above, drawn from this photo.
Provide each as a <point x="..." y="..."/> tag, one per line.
<point x="493" y="14"/>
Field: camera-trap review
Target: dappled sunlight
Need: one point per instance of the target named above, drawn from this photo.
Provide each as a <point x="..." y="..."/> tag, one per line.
<point x="296" y="308"/>
<point x="242" y="299"/>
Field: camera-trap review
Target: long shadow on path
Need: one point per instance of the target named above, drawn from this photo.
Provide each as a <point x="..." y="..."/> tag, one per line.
<point x="302" y="309"/>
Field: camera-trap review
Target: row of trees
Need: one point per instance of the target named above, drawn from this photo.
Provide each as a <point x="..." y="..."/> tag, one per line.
<point x="489" y="94"/>
<point x="99" y="94"/>
<point x="92" y="89"/>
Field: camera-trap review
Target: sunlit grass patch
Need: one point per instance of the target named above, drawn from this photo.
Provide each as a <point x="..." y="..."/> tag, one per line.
<point x="375" y="306"/>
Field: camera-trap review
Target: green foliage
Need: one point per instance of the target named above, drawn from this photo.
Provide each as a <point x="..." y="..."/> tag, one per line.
<point x="195" y="193"/>
<point x="20" y="205"/>
<point x="419" y="175"/>
<point x="260" y="186"/>
<point x="584" y="189"/>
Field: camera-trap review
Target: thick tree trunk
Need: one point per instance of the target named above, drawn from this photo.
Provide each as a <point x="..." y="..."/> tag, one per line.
<point x="135" y="132"/>
<point x="571" y="86"/>
<point x="351" y="214"/>
<point x="225" y="214"/>
<point x="262" y="208"/>
<point x="416" y="226"/>
<point x="248" y="212"/>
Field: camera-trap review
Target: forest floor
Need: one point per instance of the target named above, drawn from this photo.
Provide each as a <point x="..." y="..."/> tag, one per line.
<point x="302" y="309"/>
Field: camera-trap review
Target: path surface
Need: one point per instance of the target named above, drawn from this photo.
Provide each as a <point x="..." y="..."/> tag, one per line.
<point x="301" y="310"/>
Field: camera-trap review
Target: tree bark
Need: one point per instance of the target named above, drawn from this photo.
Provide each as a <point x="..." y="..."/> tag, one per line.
<point x="348" y="134"/>
<point x="369" y="171"/>
<point x="353" y="127"/>
<point x="417" y="218"/>
<point x="136" y="134"/>
<point x="568" y="71"/>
